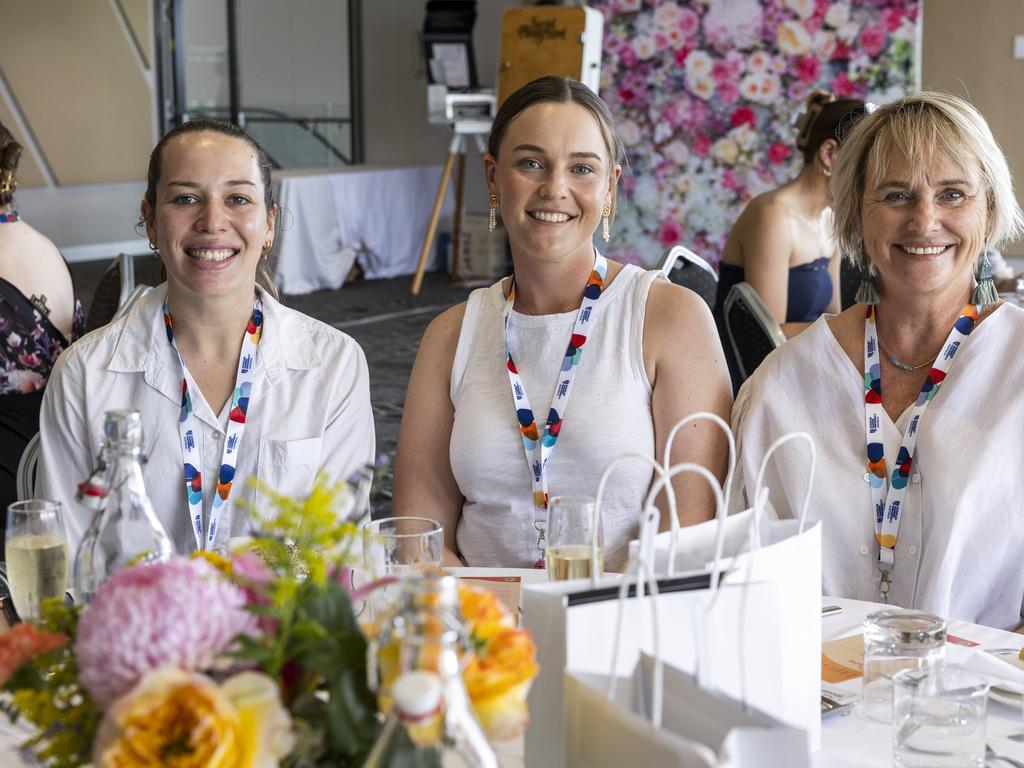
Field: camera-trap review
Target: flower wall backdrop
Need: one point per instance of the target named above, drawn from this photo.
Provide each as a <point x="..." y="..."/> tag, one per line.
<point x="705" y="93"/>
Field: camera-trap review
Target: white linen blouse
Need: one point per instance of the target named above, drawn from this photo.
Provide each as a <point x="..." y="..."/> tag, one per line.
<point x="309" y="411"/>
<point x="960" y="547"/>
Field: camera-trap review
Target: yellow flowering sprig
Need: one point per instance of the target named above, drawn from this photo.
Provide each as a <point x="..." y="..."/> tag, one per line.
<point x="47" y="694"/>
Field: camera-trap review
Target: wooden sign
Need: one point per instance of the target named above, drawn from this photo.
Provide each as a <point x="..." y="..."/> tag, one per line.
<point x="548" y="40"/>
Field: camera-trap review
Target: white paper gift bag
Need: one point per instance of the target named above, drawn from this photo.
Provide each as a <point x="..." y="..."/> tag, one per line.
<point x="573" y="622"/>
<point x="787" y="553"/>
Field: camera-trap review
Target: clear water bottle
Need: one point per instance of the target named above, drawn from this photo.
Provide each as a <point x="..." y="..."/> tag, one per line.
<point x="416" y="662"/>
<point x="124" y="529"/>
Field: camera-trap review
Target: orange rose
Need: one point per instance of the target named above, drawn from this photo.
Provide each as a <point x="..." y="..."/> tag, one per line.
<point x="23" y="643"/>
<point x="486" y="615"/>
<point x="498" y="682"/>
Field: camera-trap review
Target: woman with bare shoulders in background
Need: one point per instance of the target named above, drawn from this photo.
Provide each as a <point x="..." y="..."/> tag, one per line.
<point x="39" y="318"/>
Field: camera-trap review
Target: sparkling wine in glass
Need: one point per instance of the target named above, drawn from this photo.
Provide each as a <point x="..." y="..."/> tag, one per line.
<point x="569" y="537"/>
<point x="37" y="555"/>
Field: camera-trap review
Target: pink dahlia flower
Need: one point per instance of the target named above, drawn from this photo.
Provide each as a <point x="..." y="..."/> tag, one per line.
<point x="180" y="613"/>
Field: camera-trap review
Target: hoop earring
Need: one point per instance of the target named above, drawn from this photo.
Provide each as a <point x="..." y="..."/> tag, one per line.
<point x="985" y="291"/>
<point x="606" y="225"/>
<point x="153" y="246"/>
<point x="492" y="215"/>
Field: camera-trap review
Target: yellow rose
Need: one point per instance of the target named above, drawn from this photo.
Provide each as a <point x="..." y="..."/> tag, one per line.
<point x="499" y="680"/>
<point x="185" y="720"/>
<point x="486" y="615"/>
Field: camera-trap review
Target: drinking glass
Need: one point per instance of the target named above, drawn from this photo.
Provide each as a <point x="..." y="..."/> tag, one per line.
<point x="939" y="718"/>
<point x="37" y="555"/>
<point x="394" y="546"/>
<point x="569" y="537"/>
<point x="896" y="639"/>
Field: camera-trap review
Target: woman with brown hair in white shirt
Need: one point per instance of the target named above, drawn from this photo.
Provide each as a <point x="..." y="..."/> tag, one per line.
<point x="272" y="395"/>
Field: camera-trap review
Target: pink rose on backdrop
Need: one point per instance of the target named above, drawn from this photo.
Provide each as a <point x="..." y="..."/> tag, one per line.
<point x="743" y="116"/>
<point x="730" y="180"/>
<point x="728" y="92"/>
<point x="778" y="152"/>
<point x="688" y="22"/>
<point x="628" y="56"/>
<point x="808" y="68"/>
<point x="872" y="40"/>
<point x="892" y="18"/>
<point x="701" y="146"/>
<point x="844" y="88"/>
<point x="670" y="233"/>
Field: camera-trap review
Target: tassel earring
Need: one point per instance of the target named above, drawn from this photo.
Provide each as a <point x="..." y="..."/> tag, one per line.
<point x="606" y="225"/>
<point x="985" y="290"/>
<point x="492" y="216"/>
<point x="867" y="293"/>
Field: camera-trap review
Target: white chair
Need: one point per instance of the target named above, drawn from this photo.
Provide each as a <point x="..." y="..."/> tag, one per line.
<point x="25" y="480"/>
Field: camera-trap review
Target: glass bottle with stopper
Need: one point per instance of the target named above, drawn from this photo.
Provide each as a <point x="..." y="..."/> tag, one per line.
<point x="416" y="662"/>
<point x="124" y="529"/>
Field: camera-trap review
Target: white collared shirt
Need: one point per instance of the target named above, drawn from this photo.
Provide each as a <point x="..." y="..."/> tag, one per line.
<point x="309" y="411"/>
<point x="961" y="535"/>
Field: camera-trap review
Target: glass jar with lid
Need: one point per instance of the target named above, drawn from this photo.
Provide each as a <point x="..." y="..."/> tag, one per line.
<point x="896" y="639"/>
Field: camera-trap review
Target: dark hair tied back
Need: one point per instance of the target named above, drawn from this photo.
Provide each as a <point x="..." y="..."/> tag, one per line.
<point x="263" y="276"/>
<point x="826" y="117"/>
<point x="10" y="154"/>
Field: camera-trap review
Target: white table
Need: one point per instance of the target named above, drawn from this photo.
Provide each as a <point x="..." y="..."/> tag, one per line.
<point x="848" y="741"/>
<point x="331" y="217"/>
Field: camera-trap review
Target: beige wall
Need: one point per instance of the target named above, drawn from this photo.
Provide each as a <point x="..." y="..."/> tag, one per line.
<point x="968" y="51"/>
<point x="76" y="74"/>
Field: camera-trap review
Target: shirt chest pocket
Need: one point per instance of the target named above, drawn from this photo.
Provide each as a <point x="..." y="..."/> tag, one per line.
<point x="287" y="467"/>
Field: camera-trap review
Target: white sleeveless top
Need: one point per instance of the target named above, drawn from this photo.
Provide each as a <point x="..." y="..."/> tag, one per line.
<point x="609" y="413"/>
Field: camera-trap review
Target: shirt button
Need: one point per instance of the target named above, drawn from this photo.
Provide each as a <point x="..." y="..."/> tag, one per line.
<point x="916" y="477"/>
<point x="867" y="477"/>
<point x="864" y="549"/>
<point x="912" y="550"/>
<point x="218" y="435"/>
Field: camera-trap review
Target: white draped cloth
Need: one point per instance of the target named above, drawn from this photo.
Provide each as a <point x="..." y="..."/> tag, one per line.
<point x="961" y="534"/>
<point x="330" y="219"/>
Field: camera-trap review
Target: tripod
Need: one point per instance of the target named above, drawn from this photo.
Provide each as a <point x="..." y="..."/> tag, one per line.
<point x="463" y="128"/>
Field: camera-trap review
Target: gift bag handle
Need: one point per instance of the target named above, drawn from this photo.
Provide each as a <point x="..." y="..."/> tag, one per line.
<point x="651" y="516"/>
<point x="759" y="485"/>
<point x="660" y="470"/>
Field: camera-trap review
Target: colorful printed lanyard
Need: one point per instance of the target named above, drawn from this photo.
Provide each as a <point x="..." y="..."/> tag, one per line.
<point x="235" y="430"/>
<point x="888" y="501"/>
<point x="537" y="446"/>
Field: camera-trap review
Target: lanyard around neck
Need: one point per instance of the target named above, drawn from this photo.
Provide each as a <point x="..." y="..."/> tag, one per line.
<point x="191" y="458"/>
<point x="888" y="497"/>
<point x="538" y="445"/>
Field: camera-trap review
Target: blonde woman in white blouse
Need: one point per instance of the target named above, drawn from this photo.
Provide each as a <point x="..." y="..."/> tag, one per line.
<point x="913" y="396"/>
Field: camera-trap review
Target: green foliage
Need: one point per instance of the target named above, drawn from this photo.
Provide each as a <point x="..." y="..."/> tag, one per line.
<point x="47" y="694"/>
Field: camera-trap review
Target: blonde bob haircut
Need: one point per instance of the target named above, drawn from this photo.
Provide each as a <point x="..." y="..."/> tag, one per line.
<point x="917" y="127"/>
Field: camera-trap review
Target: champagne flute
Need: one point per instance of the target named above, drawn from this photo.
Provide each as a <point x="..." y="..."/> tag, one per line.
<point x="569" y="538"/>
<point x="37" y="555"/>
<point x="394" y="546"/>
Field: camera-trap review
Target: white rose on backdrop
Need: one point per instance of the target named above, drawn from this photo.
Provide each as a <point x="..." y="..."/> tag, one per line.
<point x="746" y="137"/>
<point x="824" y="43"/>
<point x="793" y="38"/>
<point x="677" y="152"/>
<point x="662" y="131"/>
<point x="837" y="15"/>
<point x="630" y="132"/>
<point x="802" y="8"/>
<point x="667" y="15"/>
<point x="848" y="32"/>
<point x="758" y="61"/>
<point x="699" y="64"/>
<point x="733" y="24"/>
<point x="760" y="87"/>
<point x="702" y="87"/>
<point x="630" y="5"/>
<point x="644" y="47"/>
<point x="726" y="150"/>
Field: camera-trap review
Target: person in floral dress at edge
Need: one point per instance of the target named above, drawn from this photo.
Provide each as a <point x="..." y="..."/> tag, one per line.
<point x="642" y="354"/>
<point x="39" y="318"/>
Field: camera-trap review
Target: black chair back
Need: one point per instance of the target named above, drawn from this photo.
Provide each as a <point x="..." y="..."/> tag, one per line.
<point x="684" y="267"/>
<point x="112" y="292"/>
<point x="849" y="282"/>
<point x="753" y="332"/>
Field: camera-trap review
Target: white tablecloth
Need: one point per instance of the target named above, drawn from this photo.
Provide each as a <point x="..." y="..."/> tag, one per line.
<point x="848" y="741"/>
<point x="332" y="217"/>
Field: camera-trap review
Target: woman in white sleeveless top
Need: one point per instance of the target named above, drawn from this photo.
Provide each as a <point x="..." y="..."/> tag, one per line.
<point x="651" y="355"/>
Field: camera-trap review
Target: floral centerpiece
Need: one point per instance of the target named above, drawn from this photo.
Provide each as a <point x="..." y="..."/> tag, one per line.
<point x="256" y="659"/>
